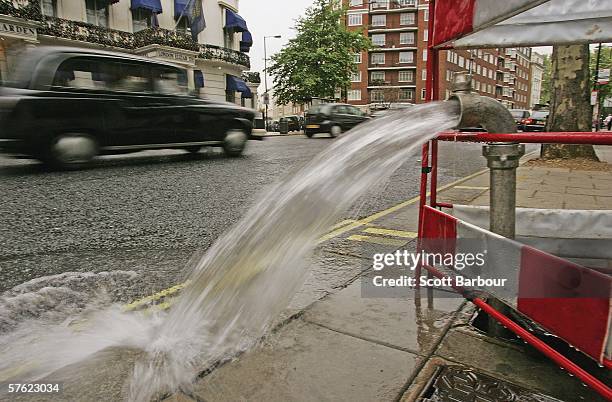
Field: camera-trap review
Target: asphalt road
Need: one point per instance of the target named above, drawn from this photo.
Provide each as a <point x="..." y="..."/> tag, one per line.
<point x="139" y="218"/>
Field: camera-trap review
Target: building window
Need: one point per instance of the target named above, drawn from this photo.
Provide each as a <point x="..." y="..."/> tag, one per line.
<point x="449" y="56"/>
<point x="357" y="58"/>
<point x="355" y="3"/>
<point x="406" y="76"/>
<point x="377" y="76"/>
<point x="425" y="55"/>
<point x="407" y="3"/>
<point x="406" y="57"/>
<point x="49" y="8"/>
<point x="423" y="94"/>
<point x="424" y="75"/>
<point x="97" y="12"/>
<point x="378" y="39"/>
<point x="406" y="94"/>
<point x="377" y="96"/>
<point x="425" y="35"/>
<point x="407" y="19"/>
<point x="355" y="19"/>
<point x="356" y="76"/>
<point x="141" y="19"/>
<point x="407" y="38"/>
<point x="378" y="58"/>
<point x="379" y="20"/>
<point x="426" y="15"/>
<point x="354" y="94"/>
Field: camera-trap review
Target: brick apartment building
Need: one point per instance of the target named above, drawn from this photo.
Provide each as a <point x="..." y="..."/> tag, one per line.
<point x="394" y="70"/>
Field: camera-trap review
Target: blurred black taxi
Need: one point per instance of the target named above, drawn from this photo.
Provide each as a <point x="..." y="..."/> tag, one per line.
<point x="65" y="106"/>
<point x="332" y="118"/>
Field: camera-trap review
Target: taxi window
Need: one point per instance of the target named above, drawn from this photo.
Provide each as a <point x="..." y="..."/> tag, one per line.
<point x="103" y="74"/>
<point x="170" y="81"/>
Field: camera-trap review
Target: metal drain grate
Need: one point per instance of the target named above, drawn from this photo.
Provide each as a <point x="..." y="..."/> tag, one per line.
<point x="460" y="384"/>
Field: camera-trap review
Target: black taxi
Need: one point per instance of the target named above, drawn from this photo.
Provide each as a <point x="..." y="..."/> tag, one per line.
<point x="65" y="106"/>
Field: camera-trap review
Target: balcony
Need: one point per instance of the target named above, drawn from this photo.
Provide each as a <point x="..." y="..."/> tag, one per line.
<point x="392" y="5"/>
<point x="216" y="53"/>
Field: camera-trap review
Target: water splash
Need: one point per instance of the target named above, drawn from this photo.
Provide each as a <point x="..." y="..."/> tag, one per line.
<point x="245" y="280"/>
<point x="251" y="273"/>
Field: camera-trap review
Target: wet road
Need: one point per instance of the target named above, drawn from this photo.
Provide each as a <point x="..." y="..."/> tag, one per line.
<point x="147" y="213"/>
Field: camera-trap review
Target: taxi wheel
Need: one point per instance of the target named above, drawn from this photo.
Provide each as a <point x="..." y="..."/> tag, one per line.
<point x="71" y="151"/>
<point x="235" y="142"/>
<point x="335" y="131"/>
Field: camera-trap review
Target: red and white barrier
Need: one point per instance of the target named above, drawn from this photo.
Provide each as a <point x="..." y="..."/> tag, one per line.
<point x="568" y="300"/>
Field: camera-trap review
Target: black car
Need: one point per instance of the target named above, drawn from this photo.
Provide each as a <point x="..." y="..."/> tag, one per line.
<point x="536" y="122"/>
<point x="293" y="123"/>
<point x="519" y="115"/>
<point x="64" y="106"/>
<point x="332" y="118"/>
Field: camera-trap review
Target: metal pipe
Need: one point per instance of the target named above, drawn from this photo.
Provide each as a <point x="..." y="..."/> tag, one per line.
<point x="502" y="160"/>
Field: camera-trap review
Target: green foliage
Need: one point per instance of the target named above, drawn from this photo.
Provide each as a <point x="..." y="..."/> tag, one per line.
<point x="319" y="61"/>
<point x="546" y="81"/>
<point x="605" y="61"/>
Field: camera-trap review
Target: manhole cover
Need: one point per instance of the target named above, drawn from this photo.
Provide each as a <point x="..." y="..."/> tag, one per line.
<point x="459" y="384"/>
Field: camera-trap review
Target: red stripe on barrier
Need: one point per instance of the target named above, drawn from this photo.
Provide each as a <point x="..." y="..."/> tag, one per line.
<point x="452" y="19"/>
<point x="530" y="138"/>
<point x="557" y="293"/>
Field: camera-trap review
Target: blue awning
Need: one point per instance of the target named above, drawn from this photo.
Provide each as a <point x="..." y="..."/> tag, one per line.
<point x="153" y="5"/>
<point x="246" y="42"/>
<point x="234" y="22"/>
<point x="180" y="8"/>
<point x="237" y="85"/>
<point x="198" y="78"/>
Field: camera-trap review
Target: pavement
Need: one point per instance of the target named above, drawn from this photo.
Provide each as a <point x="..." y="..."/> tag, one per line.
<point x="348" y="347"/>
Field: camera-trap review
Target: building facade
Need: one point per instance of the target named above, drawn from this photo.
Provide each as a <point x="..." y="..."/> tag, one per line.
<point x="394" y="70"/>
<point x="216" y="56"/>
<point x="537" y="77"/>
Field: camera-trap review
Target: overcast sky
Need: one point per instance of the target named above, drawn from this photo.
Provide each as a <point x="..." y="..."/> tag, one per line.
<point x="268" y="18"/>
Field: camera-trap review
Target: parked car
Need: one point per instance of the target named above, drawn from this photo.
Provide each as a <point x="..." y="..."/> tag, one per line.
<point x="536" y="122"/>
<point x="333" y="118"/>
<point x="519" y="115"/>
<point x="293" y="123"/>
<point x="64" y="106"/>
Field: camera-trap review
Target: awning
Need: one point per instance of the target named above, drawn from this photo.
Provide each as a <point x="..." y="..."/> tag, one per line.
<point x="198" y="78"/>
<point x="180" y="8"/>
<point x="238" y="85"/>
<point x="153" y="5"/>
<point x="246" y="42"/>
<point x="511" y="23"/>
<point x="235" y="22"/>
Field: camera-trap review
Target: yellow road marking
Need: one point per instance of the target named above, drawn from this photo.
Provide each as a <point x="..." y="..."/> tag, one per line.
<point x="154" y="297"/>
<point x="471" y="188"/>
<point x="343" y="223"/>
<point x="389" y="232"/>
<point x="377" y="240"/>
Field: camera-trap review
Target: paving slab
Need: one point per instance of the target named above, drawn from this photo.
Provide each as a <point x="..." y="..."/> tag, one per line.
<point x="515" y="363"/>
<point x="306" y="362"/>
<point x="409" y="323"/>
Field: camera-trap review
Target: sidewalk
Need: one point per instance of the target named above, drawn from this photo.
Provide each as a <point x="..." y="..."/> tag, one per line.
<point x="347" y="347"/>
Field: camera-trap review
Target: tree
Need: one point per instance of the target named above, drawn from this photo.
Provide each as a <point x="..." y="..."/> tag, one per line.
<point x="605" y="61"/>
<point x="546" y="81"/>
<point x="570" y="108"/>
<point x="320" y="60"/>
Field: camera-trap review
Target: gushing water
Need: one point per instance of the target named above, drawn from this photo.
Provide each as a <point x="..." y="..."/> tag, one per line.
<point x="248" y="277"/>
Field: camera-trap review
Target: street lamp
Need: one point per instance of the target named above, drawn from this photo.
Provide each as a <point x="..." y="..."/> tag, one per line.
<point x="267" y="97"/>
